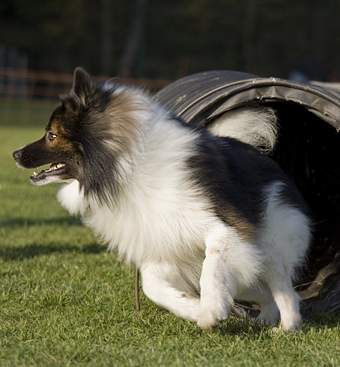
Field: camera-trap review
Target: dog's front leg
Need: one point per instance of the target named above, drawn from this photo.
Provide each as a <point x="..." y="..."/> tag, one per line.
<point x="217" y="282"/>
<point x="158" y="287"/>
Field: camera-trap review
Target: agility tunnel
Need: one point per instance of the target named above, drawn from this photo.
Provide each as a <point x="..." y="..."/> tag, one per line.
<point x="307" y="149"/>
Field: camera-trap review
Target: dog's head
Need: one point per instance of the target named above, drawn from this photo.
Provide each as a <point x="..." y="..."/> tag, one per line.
<point x="87" y="133"/>
<point x="60" y="147"/>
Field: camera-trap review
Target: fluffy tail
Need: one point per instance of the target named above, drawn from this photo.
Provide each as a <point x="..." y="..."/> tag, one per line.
<point x="256" y="126"/>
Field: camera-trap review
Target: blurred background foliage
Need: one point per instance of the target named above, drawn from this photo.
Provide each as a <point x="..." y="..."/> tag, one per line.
<point x="169" y="39"/>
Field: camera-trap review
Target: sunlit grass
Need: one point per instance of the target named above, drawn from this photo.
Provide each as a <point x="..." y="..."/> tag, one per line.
<point x="65" y="301"/>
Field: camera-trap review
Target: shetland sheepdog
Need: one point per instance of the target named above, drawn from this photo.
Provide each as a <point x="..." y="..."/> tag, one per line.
<point x="205" y="216"/>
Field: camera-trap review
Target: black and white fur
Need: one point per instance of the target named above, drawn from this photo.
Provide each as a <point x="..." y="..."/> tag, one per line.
<point x="206" y="219"/>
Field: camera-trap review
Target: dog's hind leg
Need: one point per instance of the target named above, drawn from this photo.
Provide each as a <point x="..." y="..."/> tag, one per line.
<point x="285" y="247"/>
<point x="159" y="286"/>
<point x="269" y="314"/>
<point x="285" y="238"/>
<point x="230" y="263"/>
<point x="287" y="300"/>
<point x="261" y="294"/>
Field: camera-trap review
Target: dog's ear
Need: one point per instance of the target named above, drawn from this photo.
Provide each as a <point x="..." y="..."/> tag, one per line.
<point x="82" y="85"/>
<point x="71" y="103"/>
<point x="82" y="88"/>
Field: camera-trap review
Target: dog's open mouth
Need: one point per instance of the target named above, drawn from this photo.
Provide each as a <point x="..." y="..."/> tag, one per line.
<point x="55" y="169"/>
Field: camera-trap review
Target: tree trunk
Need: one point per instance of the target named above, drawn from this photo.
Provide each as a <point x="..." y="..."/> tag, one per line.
<point x="248" y="39"/>
<point x="106" y="36"/>
<point x="135" y="36"/>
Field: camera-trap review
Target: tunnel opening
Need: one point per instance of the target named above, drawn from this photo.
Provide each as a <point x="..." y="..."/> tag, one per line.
<point x="308" y="149"/>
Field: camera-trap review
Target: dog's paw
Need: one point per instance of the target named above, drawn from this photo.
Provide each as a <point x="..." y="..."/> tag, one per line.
<point x="288" y="327"/>
<point x="208" y="318"/>
<point x="294" y="323"/>
<point x="269" y="315"/>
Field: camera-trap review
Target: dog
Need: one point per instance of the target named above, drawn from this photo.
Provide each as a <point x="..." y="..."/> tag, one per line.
<point x="206" y="219"/>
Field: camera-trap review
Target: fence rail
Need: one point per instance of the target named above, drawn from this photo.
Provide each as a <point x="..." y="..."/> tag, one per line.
<point x="23" y="83"/>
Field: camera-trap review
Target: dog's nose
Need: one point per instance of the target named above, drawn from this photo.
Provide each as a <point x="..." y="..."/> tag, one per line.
<point x="17" y="154"/>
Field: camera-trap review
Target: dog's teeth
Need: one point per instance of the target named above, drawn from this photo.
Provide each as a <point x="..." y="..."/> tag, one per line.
<point x="35" y="173"/>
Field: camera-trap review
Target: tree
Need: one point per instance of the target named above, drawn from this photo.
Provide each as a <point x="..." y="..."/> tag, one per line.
<point x="134" y="39"/>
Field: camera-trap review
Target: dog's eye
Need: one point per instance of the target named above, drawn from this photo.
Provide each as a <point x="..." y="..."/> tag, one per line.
<point x="51" y="136"/>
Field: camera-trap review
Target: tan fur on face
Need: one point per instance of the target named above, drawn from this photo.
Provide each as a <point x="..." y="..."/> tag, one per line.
<point x="60" y="143"/>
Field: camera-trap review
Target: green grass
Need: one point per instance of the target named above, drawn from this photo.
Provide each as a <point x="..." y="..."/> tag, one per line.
<point x="25" y="112"/>
<point x="65" y="301"/>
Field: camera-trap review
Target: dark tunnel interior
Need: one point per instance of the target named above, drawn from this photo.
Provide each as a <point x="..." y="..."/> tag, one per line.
<point x="308" y="149"/>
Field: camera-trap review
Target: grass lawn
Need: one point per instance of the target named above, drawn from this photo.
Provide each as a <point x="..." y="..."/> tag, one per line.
<point x="65" y="301"/>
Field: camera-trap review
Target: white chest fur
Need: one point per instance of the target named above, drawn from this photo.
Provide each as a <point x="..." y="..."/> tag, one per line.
<point x="153" y="221"/>
<point x="160" y="213"/>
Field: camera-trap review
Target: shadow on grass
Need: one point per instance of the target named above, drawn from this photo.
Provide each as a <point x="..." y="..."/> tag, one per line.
<point x="239" y="326"/>
<point x="8" y="253"/>
<point x="249" y="327"/>
<point x="331" y="319"/>
<point x="25" y="222"/>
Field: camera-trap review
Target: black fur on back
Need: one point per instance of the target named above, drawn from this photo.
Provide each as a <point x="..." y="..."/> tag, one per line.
<point x="234" y="175"/>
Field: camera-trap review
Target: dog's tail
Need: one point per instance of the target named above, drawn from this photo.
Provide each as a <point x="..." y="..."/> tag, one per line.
<point x="256" y="126"/>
